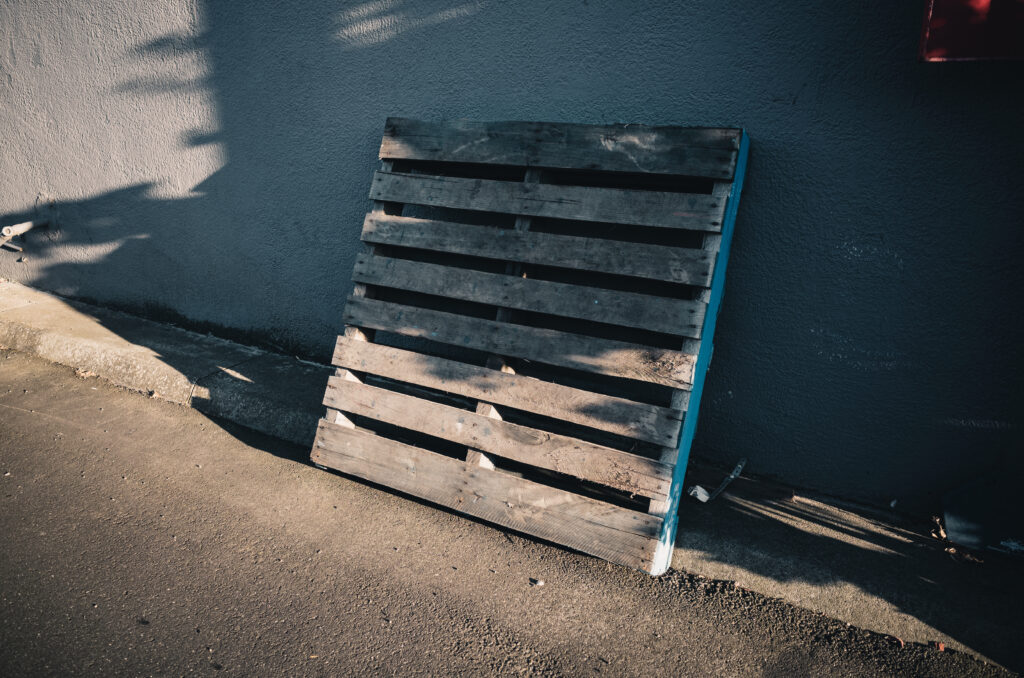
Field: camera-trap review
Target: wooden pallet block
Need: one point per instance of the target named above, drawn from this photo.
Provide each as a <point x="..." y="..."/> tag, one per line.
<point x="531" y="323"/>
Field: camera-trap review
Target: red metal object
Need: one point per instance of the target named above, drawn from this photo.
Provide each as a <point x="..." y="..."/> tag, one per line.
<point x="973" y="30"/>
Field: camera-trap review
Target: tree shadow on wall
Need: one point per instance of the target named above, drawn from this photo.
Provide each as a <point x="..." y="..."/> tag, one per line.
<point x="245" y="254"/>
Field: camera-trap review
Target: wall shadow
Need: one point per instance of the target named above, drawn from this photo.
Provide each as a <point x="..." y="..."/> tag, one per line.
<point x="758" y="530"/>
<point x="292" y="148"/>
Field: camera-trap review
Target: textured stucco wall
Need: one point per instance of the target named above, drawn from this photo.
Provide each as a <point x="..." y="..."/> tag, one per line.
<point x="212" y="160"/>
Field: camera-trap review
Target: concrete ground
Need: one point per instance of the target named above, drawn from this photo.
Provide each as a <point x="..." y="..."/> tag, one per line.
<point x="875" y="571"/>
<point x="142" y="538"/>
<point x="879" y="572"/>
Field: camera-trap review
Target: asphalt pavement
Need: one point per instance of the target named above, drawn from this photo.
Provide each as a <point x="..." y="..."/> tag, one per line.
<point x="141" y="537"/>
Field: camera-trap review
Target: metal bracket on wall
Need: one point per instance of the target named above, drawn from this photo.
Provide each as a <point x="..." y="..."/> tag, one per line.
<point x="10" y="232"/>
<point x="702" y="495"/>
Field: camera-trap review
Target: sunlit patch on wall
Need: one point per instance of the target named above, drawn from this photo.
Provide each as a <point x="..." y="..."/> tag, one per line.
<point x="377" y="22"/>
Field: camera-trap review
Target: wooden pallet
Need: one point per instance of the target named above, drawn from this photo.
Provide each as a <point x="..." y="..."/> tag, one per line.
<point x="531" y="324"/>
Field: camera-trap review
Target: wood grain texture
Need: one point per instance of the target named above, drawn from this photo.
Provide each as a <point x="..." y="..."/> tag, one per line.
<point x="596" y="463"/>
<point x="585" y="524"/>
<point x="602" y="412"/>
<point x="502" y="314"/>
<point x="558" y="159"/>
<point x="553" y="347"/>
<point x="580" y="203"/>
<point x="692" y="151"/>
<point x="628" y="309"/>
<point x="358" y="290"/>
<point x="655" y="262"/>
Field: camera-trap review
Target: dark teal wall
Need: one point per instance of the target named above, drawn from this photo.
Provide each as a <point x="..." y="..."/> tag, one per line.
<point x="869" y="343"/>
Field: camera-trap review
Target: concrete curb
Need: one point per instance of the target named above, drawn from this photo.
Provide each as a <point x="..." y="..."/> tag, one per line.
<point x="842" y="563"/>
<point x="268" y="392"/>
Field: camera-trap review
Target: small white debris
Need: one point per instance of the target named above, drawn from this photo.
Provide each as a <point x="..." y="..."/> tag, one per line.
<point x="699" y="493"/>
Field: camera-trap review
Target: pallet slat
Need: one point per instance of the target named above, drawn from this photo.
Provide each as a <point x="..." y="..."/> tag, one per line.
<point x="601" y="412"/>
<point x="576" y="351"/>
<point x="666" y="540"/>
<point x="656" y="262"/>
<point x="624" y="148"/>
<point x="642" y="311"/>
<point x="588" y="525"/>
<point x="553" y="451"/>
<point x="579" y="203"/>
<point x="572" y="456"/>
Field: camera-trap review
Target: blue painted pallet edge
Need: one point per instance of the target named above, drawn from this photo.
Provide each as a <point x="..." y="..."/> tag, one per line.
<point x="666" y="541"/>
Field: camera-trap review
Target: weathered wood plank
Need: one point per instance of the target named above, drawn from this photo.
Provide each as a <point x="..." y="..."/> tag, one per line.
<point x="626" y="151"/>
<point x="602" y="412"/>
<point x="604" y="465"/>
<point x="576" y="351"/>
<point x="655" y="262"/>
<point x="692" y="151"/>
<point x="585" y="524"/>
<point x="672" y="316"/>
<point x="501" y="314"/>
<point x="379" y="209"/>
<point x="581" y="203"/>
